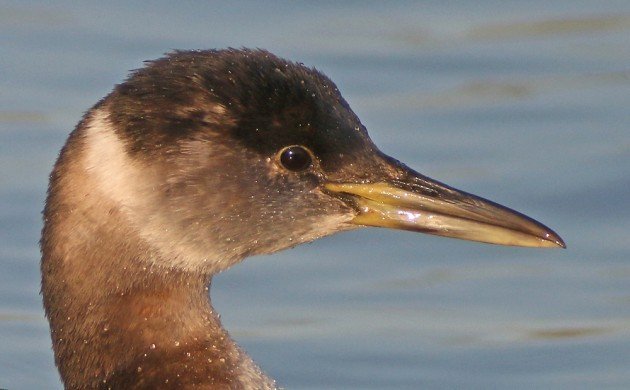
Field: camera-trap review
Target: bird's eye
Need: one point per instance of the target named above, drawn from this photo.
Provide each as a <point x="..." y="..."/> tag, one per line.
<point x="295" y="158"/>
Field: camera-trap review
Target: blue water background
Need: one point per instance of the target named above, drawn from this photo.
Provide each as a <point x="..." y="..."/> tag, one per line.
<point x="523" y="102"/>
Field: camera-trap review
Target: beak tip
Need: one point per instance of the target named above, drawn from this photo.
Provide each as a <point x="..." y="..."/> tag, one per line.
<point x="556" y="239"/>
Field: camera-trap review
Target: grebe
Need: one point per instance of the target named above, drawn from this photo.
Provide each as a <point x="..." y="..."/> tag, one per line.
<point x="195" y="162"/>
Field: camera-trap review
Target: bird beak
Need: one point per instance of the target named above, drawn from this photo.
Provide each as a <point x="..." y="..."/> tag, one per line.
<point x="420" y="204"/>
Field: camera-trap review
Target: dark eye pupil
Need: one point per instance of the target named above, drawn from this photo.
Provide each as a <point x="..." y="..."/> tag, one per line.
<point x="295" y="158"/>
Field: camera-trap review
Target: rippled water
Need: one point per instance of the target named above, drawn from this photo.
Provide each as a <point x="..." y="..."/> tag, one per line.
<point x="526" y="103"/>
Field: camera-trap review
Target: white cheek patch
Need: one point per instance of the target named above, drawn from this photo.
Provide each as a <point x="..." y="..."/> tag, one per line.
<point x="131" y="186"/>
<point x="115" y="173"/>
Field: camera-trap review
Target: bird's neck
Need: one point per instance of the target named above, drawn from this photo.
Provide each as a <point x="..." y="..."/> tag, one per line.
<point x="118" y="317"/>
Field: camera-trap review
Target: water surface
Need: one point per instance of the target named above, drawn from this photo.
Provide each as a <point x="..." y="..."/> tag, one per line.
<point x="525" y="103"/>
